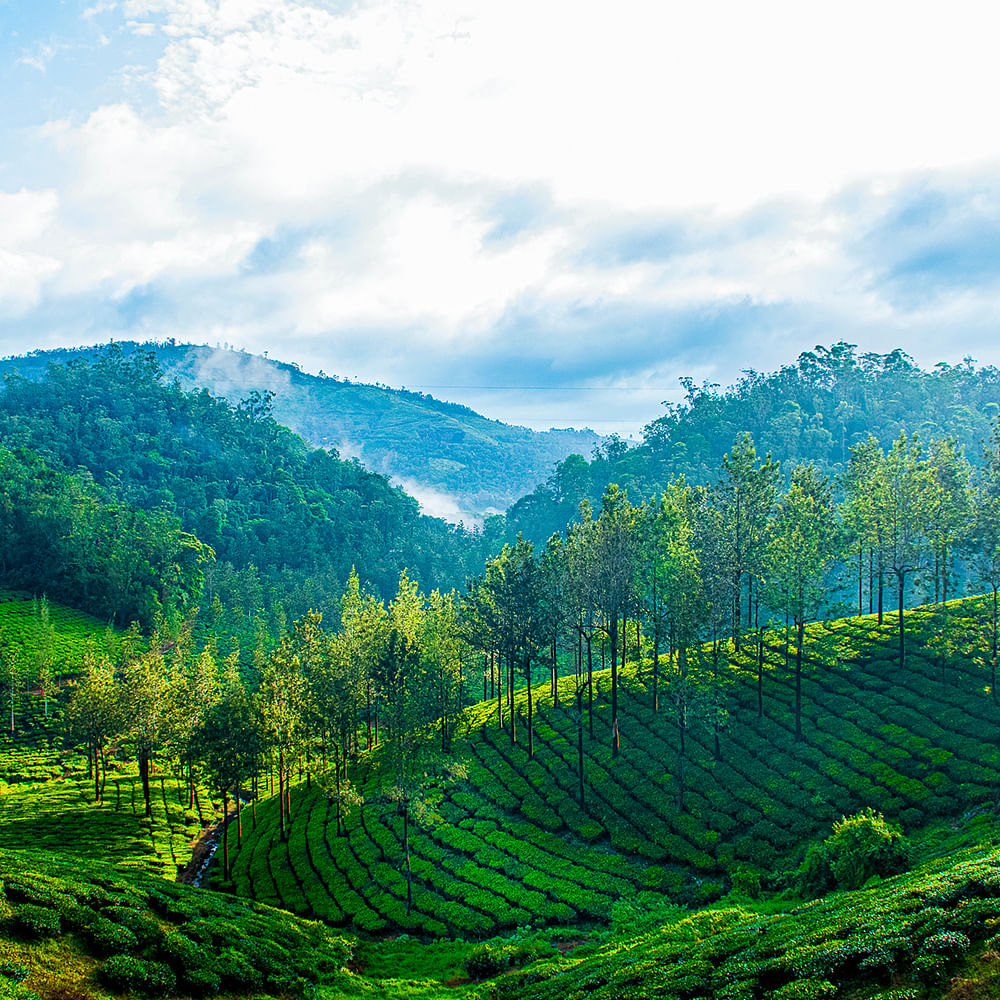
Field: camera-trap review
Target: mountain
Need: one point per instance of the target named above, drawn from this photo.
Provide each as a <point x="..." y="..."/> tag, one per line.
<point x="287" y="522"/>
<point x="456" y="462"/>
<point x="813" y="410"/>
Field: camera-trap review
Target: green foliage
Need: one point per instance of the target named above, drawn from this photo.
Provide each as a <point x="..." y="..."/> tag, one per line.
<point x="126" y="972"/>
<point x="493" y="958"/>
<point x="274" y="510"/>
<point x="860" y="847"/>
<point x="159" y="939"/>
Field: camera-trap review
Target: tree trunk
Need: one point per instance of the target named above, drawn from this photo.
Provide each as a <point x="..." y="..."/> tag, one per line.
<point x="993" y="661"/>
<point x="281" y="794"/>
<point x="656" y="669"/>
<point x="579" y="742"/>
<point x="406" y="852"/>
<point x="801" y="632"/>
<point x="555" y="677"/>
<point x="614" y="687"/>
<point x="861" y="571"/>
<point x="144" y="758"/>
<point x="760" y="672"/>
<point x="881" y="584"/>
<point x="590" y="683"/>
<point x="527" y="675"/>
<point x="499" y="697"/>
<point x="871" y="579"/>
<point x="225" y="835"/>
<point x="902" y="641"/>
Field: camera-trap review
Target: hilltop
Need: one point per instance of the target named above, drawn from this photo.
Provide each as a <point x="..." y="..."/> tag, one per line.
<point x="458" y="463"/>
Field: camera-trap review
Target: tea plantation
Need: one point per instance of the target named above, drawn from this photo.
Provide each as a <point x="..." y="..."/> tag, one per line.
<point x="512" y="846"/>
<point x="521" y="891"/>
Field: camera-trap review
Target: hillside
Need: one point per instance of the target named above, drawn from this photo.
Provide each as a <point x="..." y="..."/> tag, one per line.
<point x="512" y="844"/>
<point x="286" y="521"/>
<point x="618" y="898"/>
<point x="813" y="410"/>
<point x="458" y="463"/>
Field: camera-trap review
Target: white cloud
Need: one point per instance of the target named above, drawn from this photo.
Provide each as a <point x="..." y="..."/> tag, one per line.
<point x="382" y="135"/>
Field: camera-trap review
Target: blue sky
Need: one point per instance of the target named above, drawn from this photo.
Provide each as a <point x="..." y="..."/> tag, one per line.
<point x="550" y="211"/>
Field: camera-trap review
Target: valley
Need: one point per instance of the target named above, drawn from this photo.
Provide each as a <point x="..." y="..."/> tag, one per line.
<point x="732" y="735"/>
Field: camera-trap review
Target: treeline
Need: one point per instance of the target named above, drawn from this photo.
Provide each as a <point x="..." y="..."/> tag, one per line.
<point x="64" y="536"/>
<point x="815" y="410"/>
<point x="288" y="520"/>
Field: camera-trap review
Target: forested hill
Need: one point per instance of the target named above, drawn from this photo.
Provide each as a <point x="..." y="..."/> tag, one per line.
<point x="428" y="446"/>
<point x="286" y="521"/>
<point x="814" y="410"/>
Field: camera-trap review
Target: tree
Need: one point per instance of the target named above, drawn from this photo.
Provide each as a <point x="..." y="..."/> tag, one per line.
<point x="613" y="558"/>
<point x="949" y="508"/>
<point x="802" y="548"/>
<point x="147" y="700"/>
<point x="903" y="490"/>
<point x="95" y="716"/>
<point x="745" y="494"/>
<point x="280" y="701"/>
<point x="228" y="741"/>
<point x="985" y="539"/>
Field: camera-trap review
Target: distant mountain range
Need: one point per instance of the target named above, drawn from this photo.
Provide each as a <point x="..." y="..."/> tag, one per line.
<point x="459" y="464"/>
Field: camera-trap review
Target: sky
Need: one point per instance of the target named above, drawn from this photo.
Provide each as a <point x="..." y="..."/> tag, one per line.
<point x="550" y="210"/>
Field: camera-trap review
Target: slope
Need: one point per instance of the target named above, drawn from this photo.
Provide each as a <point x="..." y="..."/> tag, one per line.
<point x="513" y="845"/>
<point x="47" y="799"/>
<point x="456" y="461"/>
<point x="258" y="494"/>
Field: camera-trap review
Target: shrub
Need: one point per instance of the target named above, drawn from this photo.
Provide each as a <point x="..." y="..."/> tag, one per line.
<point x="494" y="957"/>
<point x="39" y="921"/>
<point x="126" y="972"/>
<point x="859" y="847"/>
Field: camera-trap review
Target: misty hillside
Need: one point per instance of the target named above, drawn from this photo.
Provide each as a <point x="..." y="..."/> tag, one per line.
<point x="456" y="462"/>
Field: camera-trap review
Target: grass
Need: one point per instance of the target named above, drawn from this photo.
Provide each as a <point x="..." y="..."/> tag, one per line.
<point x="513" y="846"/>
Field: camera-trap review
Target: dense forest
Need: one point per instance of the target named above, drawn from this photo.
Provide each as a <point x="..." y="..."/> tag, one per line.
<point x="814" y="410"/>
<point x="286" y="522"/>
<point x="478" y="465"/>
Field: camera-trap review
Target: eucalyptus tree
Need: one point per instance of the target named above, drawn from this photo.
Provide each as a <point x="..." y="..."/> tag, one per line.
<point x="148" y="700"/>
<point x="95" y="715"/>
<point x="864" y="518"/>
<point x="363" y="625"/>
<point x="684" y="599"/>
<point x="985" y="539"/>
<point x="555" y="588"/>
<point x="581" y="595"/>
<point x="517" y="592"/>
<point x="745" y="494"/>
<point x="281" y="701"/>
<point x="803" y="545"/>
<point x="228" y="740"/>
<point x="413" y="770"/>
<point x="904" y="488"/>
<point x="444" y="652"/>
<point x="613" y="555"/>
<point x="949" y="508"/>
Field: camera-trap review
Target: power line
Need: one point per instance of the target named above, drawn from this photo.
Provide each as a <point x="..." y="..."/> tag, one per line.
<point x="555" y="388"/>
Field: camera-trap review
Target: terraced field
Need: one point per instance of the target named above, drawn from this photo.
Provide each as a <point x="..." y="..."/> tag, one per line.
<point x="513" y="846"/>
<point x="907" y="937"/>
<point x="73" y="630"/>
